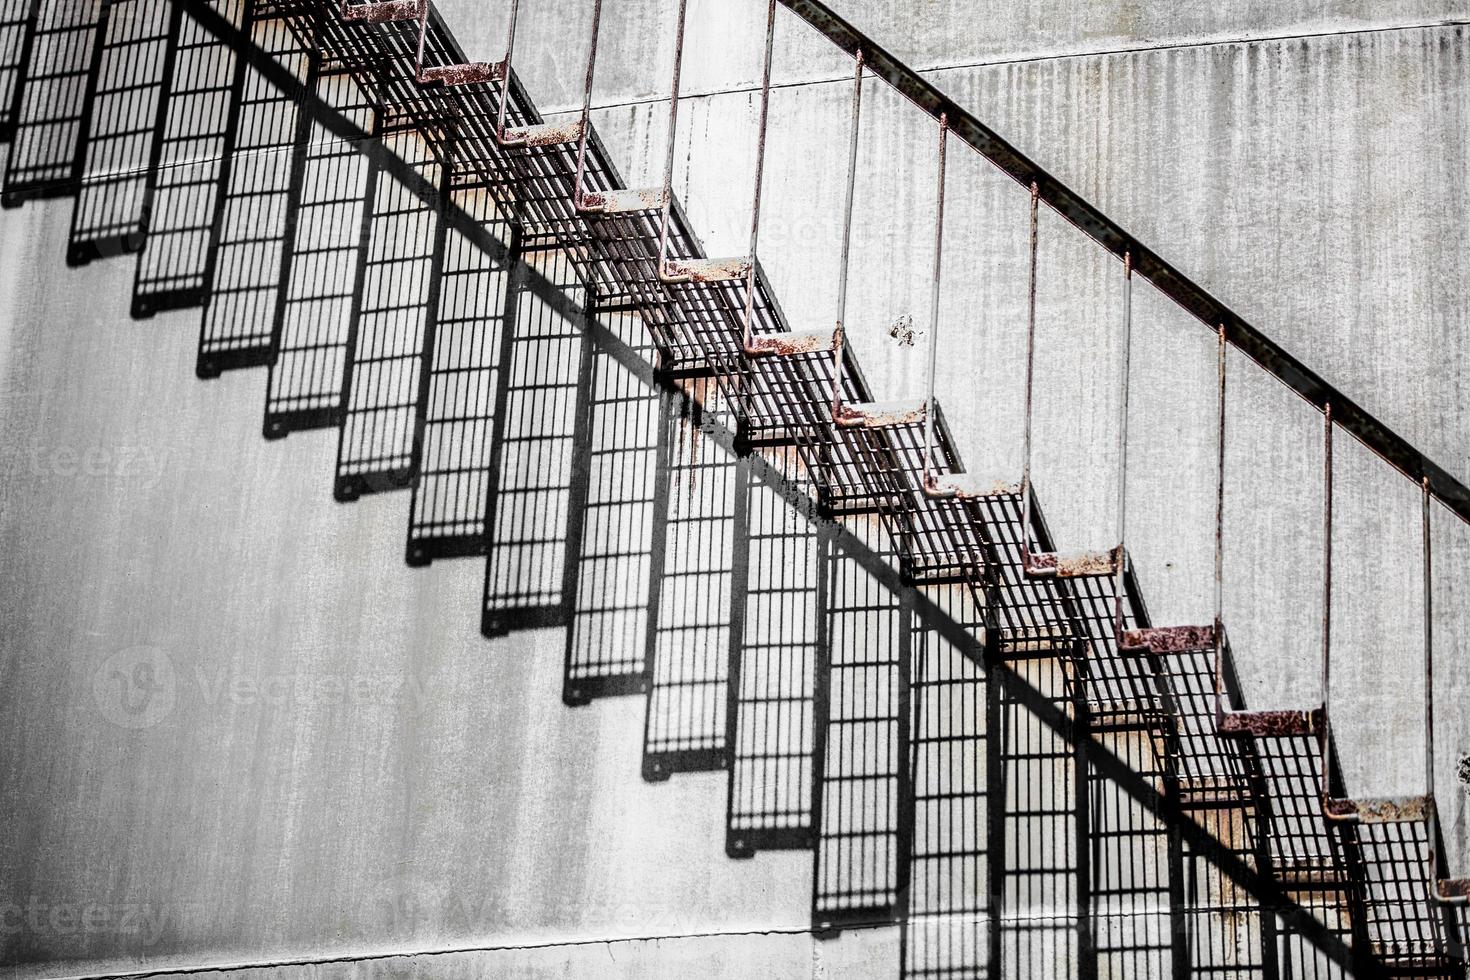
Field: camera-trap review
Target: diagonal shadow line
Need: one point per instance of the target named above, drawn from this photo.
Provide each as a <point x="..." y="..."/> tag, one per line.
<point x="1271" y="894"/>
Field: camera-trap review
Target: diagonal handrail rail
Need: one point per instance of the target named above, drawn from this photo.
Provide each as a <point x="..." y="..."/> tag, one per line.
<point x="1194" y="298"/>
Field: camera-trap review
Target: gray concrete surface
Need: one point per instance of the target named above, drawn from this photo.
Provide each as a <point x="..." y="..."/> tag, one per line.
<point x="336" y="750"/>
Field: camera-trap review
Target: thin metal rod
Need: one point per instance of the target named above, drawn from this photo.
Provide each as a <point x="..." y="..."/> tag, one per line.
<point x="418" y="62"/>
<point x="1220" y="526"/>
<point x="1428" y="571"/>
<point x="578" y="193"/>
<point x="1119" y="555"/>
<point x="1326" y="733"/>
<point x="852" y="158"/>
<point x="1030" y="379"/>
<point x="760" y="173"/>
<point x="673" y="138"/>
<point x="934" y="299"/>
<point x="510" y="46"/>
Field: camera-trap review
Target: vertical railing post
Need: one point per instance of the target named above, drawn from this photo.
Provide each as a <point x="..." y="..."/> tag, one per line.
<point x="852" y="158"/>
<point x="748" y="319"/>
<point x="926" y="478"/>
<point x="1120" y="558"/>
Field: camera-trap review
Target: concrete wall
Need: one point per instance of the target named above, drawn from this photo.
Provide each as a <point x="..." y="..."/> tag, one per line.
<point x="340" y="751"/>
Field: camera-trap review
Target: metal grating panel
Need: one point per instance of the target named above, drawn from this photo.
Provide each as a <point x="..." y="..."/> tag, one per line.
<point x="1317" y="863"/>
<point x="704" y="332"/>
<point x="788" y="398"/>
<point x="1403" y="930"/>
<point x="320" y="270"/>
<point x="1300" y="958"/>
<point x="456" y="415"/>
<point x="1304" y="850"/>
<point x="122" y="104"/>
<point x="698" y="588"/>
<point x="774" y="669"/>
<point x="48" y="99"/>
<point x="183" y="177"/>
<point x="1220" y="929"/>
<point x="1209" y="769"/>
<point x="263" y="152"/>
<point x="618" y="533"/>
<point x="863" y="713"/>
<point x="1029" y="615"/>
<point x="947" y="928"/>
<point x="540" y="180"/>
<point x="940" y="540"/>
<point x="1120" y="687"/>
<point x="392" y="328"/>
<point x="539" y="419"/>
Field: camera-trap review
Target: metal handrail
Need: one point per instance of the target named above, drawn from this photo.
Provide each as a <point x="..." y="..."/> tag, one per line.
<point x="1194" y="298"/>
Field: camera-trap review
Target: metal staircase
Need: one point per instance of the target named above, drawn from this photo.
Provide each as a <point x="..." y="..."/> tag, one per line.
<point x="980" y="737"/>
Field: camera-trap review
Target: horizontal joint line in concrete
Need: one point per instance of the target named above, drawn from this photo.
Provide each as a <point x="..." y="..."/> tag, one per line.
<point x="432" y="951"/>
